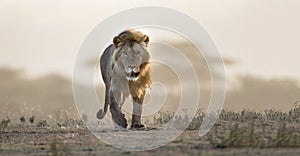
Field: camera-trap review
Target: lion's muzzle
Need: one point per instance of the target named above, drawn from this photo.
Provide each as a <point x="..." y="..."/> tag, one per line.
<point x="132" y="75"/>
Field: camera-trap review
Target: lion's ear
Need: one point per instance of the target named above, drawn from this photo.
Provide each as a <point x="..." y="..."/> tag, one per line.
<point x="116" y="41"/>
<point x="146" y="39"/>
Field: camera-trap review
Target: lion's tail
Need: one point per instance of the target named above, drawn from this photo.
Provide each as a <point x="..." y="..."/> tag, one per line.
<point x="101" y="113"/>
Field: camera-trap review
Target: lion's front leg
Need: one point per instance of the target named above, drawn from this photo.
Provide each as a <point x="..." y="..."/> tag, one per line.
<point x="137" y="112"/>
<point x="115" y="108"/>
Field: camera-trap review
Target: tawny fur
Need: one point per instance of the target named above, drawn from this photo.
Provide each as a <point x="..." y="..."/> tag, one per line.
<point x="113" y="72"/>
<point x="138" y="87"/>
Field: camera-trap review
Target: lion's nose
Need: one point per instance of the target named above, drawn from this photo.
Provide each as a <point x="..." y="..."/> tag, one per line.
<point x="131" y="67"/>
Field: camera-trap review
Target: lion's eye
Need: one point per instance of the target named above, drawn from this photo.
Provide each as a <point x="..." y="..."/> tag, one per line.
<point x="138" y="53"/>
<point x="125" y="54"/>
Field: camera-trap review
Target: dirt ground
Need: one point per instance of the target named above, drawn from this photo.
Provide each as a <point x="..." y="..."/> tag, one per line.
<point x="79" y="141"/>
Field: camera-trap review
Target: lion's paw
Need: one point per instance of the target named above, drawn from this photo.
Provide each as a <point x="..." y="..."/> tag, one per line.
<point x="138" y="126"/>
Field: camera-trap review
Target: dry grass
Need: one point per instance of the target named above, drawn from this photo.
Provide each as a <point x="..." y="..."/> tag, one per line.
<point x="271" y="128"/>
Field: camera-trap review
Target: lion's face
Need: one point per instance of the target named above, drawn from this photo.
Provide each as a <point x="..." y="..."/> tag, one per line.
<point x="129" y="58"/>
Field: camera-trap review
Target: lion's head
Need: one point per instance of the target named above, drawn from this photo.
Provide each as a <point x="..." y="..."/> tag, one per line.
<point x="131" y="54"/>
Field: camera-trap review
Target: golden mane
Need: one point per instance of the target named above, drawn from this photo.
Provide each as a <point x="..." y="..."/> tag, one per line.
<point x="130" y="37"/>
<point x="138" y="87"/>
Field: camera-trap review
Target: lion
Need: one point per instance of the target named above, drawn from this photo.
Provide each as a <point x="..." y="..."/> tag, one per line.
<point x="125" y="68"/>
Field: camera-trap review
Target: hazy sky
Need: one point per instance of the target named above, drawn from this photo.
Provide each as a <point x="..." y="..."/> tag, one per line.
<point x="260" y="36"/>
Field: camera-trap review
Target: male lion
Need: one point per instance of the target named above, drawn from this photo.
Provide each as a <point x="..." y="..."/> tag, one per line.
<point x="125" y="67"/>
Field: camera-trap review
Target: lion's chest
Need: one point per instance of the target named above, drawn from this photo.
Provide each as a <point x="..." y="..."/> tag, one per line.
<point x="120" y="88"/>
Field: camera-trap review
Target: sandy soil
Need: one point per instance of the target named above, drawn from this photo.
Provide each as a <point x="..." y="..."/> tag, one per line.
<point x="80" y="141"/>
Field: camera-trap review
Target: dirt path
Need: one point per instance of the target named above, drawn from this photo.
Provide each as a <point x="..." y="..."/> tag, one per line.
<point x="57" y="141"/>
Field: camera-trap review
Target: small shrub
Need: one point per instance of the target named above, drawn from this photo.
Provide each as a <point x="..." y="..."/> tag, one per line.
<point x="4" y="123"/>
<point x="42" y="123"/>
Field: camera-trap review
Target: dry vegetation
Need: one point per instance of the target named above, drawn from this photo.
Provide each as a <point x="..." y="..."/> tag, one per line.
<point x="272" y="128"/>
<point x="60" y="134"/>
<point x="247" y="128"/>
